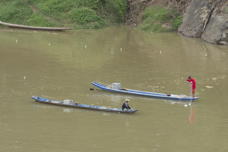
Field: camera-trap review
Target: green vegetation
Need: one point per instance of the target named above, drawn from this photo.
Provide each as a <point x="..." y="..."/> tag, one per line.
<point x="225" y="10"/>
<point x="84" y="14"/>
<point x="76" y="13"/>
<point x="159" y="19"/>
<point x="14" y="11"/>
<point x="86" y="18"/>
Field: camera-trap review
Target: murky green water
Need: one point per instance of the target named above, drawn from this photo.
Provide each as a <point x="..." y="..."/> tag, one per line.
<point x="62" y="65"/>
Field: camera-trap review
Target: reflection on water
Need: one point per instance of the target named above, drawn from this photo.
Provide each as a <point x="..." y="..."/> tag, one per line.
<point x="62" y="65"/>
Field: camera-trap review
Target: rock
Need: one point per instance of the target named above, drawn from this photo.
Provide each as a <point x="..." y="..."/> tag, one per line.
<point x="196" y="17"/>
<point x="206" y="19"/>
<point x="217" y="29"/>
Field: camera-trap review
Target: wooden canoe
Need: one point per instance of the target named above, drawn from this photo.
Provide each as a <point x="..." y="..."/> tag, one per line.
<point x="145" y="93"/>
<point x="70" y="103"/>
<point x="34" y="27"/>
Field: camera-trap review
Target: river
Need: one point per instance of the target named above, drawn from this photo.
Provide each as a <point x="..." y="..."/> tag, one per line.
<point x="62" y="66"/>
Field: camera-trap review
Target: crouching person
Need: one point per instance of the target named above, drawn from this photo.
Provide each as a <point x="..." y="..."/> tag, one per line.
<point x="125" y="105"/>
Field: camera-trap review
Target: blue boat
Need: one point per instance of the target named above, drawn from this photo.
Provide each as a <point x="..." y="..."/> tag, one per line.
<point x="71" y="103"/>
<point x="144" y="93"/>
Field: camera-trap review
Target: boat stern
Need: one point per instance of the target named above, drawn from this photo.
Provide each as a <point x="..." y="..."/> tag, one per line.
<point x="40" y="99"/>
<point x="35" y="97"/>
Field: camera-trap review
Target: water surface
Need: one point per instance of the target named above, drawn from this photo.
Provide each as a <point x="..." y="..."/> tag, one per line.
<point x="62" y="65"/>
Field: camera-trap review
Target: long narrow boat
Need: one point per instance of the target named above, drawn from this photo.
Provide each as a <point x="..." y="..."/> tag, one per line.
<point x="144" y="93"/>
<point x="70" y="103"/>
<point x="34" y="27"/>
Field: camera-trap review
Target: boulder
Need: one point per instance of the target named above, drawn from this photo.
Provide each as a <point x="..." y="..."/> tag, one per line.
<point x="196" y="17"/>
<point x="217" y="28"/>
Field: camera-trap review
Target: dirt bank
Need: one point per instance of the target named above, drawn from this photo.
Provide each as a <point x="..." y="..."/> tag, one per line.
<point x="136" y="8"/>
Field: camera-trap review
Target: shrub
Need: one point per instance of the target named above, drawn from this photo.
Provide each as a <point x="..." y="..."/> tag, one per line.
<point x="158" y="19"/>
<point x="225" y="10"/>
<point x="177" y="22"/>
<point x="39" y="20"/>
<point x="92" y="4"/>
<point x="56" y="8"/>
<point x="15" y="12"/>
<point x="79" y="13"/>
<point x="116" y="9"/>
<point x="86" y="17"/>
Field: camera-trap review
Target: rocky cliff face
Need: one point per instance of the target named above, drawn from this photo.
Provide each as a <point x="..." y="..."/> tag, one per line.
<point x="217" y="27"/>
<point x="207" y="19"/>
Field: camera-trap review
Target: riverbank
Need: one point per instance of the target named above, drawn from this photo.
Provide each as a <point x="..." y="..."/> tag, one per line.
<point x="192" y="18"/>
<point x="72" y="13"/>
<point x="149" y="15"/>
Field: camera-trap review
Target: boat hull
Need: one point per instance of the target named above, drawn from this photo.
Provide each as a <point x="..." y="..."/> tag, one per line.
<point x="144" y="93"/>
<point x="34" y="27"/>
<point x="69" y="103"/>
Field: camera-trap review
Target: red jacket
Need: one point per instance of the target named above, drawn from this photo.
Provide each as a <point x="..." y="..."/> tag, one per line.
<point x="193" y="82"/>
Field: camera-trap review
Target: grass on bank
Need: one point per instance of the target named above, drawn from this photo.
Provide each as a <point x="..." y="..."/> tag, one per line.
<point x="84" y="14"/>
<point x="159" y="19"/>
<point x="76" y="13"/>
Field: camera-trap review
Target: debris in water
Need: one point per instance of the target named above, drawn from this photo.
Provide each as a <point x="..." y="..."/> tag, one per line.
<point x="209" y="87"/>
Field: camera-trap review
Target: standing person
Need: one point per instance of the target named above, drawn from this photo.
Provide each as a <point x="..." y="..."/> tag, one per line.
<point x="125" y="105"/>
<point x="193" y="82"/>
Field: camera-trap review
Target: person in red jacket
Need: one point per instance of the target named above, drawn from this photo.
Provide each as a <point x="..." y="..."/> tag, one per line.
<point x="193" y="82"/>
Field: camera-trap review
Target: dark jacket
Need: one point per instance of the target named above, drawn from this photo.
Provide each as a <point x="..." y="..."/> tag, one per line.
<point x="125" y="106"/>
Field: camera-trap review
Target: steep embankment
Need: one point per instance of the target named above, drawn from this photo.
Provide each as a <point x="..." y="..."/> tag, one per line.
<point x="206" y="19"/>
<point x="156" y="15"/>
<point x="136" y="8"/>
<point x="74" y="13"/>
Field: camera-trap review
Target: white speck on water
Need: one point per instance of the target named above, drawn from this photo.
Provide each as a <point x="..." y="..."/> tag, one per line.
<point x="186" y="105"/>
<point x="67" y="110"/>
<point x="121" y="49"/>
<point x="16" y="41"/>
<point x="85" y="46"/>
<point x="209" y="87"/>
<point x="205" y="54"/>
<point x="214" y="78"/>
<point x="24" y="77"/>
<point x="49" y="44"/>
<point x="160" y="52"/>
